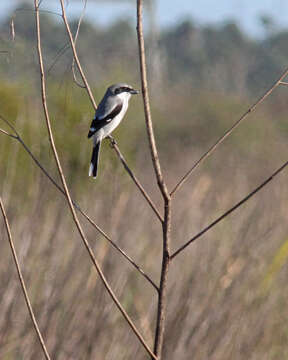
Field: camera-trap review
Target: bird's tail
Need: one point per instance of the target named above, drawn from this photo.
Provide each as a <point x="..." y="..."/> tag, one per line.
<point x="94" y="160"/>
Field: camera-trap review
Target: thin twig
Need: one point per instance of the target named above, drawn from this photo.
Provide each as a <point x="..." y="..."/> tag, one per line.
<point x="134" y="178"/>
<point x="117" y="247"/>
<point x="40" y="11"/>
<point x="68" y="197"/>
<point x="9" y="124"/>
<point x="229" y="131"/>
<point x="232" y="209"/>
<point x="22" y="282"/>
<point x="58" y="55"/>
<point x="166" y="224"/>
<point x="6" y="133"/>
<point x="75" y="40"/>
<point x="75" y="55"/>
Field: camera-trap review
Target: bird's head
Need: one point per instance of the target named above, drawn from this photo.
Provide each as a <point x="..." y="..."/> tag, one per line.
<point x="122" y="90"/>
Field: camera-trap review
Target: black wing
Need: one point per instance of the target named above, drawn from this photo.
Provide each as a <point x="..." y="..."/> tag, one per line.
<point x="99" y="123"/>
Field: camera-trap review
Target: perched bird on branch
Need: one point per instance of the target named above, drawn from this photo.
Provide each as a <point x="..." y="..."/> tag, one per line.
<point x="108" y="116"/>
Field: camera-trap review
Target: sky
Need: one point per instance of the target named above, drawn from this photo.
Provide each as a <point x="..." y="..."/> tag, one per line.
<point x="245" y="12"/>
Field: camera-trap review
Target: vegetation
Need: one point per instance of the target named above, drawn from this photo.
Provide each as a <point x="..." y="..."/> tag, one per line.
<point x="227" y="300"/>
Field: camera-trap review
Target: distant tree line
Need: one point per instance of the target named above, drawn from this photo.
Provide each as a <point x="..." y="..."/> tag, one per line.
<point x="212" y="57"/>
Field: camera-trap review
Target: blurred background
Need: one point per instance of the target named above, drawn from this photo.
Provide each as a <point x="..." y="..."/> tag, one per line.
<point x="207" y="65"/>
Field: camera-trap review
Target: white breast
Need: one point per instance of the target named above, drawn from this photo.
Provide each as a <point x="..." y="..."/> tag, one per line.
<point x="107" y="130"/>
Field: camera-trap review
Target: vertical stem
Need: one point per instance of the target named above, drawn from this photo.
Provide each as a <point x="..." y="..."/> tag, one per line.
<point x="162" y="300"/>
<point x="146" y="102"/>
<point x="166" y="223"/>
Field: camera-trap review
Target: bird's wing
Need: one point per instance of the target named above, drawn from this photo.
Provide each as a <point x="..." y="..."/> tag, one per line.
<point x="101" y="120"/>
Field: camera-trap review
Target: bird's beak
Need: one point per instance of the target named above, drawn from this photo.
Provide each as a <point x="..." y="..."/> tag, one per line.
<point x="134" y="92"/>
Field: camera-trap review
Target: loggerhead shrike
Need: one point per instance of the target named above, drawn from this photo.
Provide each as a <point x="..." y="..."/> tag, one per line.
<point x="108" y="116"/>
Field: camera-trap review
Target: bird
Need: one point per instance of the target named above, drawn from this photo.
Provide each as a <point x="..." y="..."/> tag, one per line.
<point x="108" y="116"/>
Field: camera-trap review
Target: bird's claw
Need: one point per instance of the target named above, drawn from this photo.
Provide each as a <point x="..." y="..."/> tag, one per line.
<point x="112" y="141"/>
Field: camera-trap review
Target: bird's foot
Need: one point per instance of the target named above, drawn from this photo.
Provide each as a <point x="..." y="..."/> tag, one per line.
<point x="112" y="141"/>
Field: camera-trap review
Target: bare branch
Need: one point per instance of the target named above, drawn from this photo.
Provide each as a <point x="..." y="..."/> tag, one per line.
<point x="166" y="224"/>
<point x="232" y="209"/>
<point x="9" y="124"/>
<point x="83" y="77"/>
<point x="68" y="197"/>
<point x="146" y="102"/>
<point x="22" y="282"/>
<point x="229" y="131"/>
<point x="40" y="11"/>
<point x="6" y="133"/>
<point x="122" y="252"/>
<point x="77" y="82"/>
<point x="75" y="40"/>
<point x="58" y="55"/>
<point x="134" y="178"/>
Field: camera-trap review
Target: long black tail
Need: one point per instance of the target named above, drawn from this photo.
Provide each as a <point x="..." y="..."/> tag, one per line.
<point x="94" y="160"/>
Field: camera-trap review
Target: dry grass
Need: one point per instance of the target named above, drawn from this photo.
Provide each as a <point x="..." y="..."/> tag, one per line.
<point x="225" y="299"/>
<point x="226" y="293"/>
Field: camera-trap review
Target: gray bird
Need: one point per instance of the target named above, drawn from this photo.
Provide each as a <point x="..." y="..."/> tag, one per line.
<point x="108" y="116"/>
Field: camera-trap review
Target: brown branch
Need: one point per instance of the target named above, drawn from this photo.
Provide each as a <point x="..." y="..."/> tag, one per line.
<point x="68" y="197"/>
<point x="162" y="298"/>
<point x="75" y="55"/>
<point x="75" y="40"/>
<point x="9" y="124"/>
<point x="122" y="252"/>
<point x="232" y="209"/>
<point x="22" y="282"/>
<point x="146" y="102"/>
<point x="6" y="133"/>
<point x="134" y="178"/>
<point x="229" y="131"/>
<point x="166" y="224"/>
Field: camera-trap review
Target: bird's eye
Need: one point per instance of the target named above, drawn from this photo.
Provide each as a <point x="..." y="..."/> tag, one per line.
<point x="117" y="91"/>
